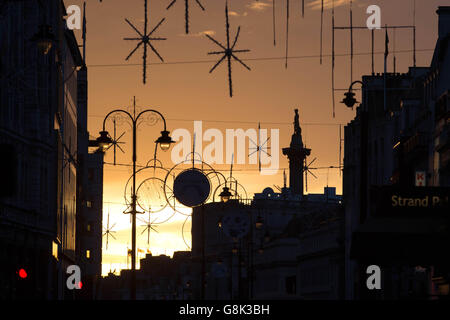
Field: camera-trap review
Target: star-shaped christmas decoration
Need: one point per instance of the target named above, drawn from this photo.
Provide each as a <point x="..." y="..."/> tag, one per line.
<point x="146" y="39"/>
<point x="228" y="51"/>
<point x="108" y="232"/>
<point x="186" y="10"/>
<point x="149" y="225"/>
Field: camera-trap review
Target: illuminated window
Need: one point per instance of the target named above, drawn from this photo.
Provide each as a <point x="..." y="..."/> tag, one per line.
<point x="88" y="254"/>
<point x="89" y="204"/>
<point x="56" y="125"/>
<point x="88" y="227"/>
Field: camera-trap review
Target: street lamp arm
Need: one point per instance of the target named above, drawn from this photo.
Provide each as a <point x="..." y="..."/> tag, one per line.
<point x="355" y="82"/>
<point x="117" y="110"/>
<point x="155" y="111"/>
<point x="221" y="174"/>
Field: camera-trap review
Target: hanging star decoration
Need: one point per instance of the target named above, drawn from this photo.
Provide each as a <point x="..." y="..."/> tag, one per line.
<point x="145" y="39"/>
<point x="115" y="142"/>
<point x="228" y="51"/>
<point x="108" y="231"/>
<point x="307" y="170"/>
<point x="259" y="147"/>
<point x="149" y="225"/>
<point x="186" y="10"/>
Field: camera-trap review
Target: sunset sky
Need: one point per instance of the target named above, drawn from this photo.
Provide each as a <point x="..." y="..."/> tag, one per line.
<point x="184" y="91"/>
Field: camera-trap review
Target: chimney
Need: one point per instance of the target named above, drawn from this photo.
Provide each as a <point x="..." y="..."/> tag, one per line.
<point x="444" y="21"/>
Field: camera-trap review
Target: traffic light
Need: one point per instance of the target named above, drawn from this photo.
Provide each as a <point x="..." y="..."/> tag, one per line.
<point x="22" y="273"/>
<point x="24" y="287"/>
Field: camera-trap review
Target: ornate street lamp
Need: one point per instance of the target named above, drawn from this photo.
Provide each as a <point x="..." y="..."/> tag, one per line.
<point x="164" y="141"/>
<point x="104" y="140"/>
<point x="225" y="195"/>
<point x="349" y="99"/>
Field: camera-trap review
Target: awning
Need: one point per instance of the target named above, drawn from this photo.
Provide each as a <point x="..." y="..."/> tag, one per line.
<point x="399" y="240"/>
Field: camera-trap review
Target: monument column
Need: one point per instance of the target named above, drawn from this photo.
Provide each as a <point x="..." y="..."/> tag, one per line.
<point x="296" y="154"/>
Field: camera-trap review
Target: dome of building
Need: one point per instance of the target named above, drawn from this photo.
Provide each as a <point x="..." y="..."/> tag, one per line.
<point x="267" y="192"/>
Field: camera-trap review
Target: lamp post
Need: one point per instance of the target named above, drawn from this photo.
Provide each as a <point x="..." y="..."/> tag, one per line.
<point x="225" y="195"/>
<point x="350" y="101"/>
<point x="164" y="141"/>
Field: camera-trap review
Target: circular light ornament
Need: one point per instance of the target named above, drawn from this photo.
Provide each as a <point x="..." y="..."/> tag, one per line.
<point x="191" y="187"/>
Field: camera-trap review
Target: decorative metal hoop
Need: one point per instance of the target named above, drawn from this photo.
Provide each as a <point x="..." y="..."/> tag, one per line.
<point x="154" y="167"/>
<point x="149" y="209"/>
<point x="207" y="172"/>
<point x="182" y="232"/>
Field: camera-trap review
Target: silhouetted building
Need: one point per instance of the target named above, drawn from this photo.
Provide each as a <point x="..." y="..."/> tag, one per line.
<point x="159" y="278"/>
<point x="396" y="150"/>
<point x="89" y="200"/>
<point x="262" y="248"/>
<point x="40" y="136"/>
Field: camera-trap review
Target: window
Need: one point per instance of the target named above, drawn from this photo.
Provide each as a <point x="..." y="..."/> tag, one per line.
<point x="88" y="254"/>
<point x="56" y="125"/>
<point x="291" y="285"/>
<point x="89" y="204"/>
<point x="90" y="174"/>
<point x="88" y="227"/>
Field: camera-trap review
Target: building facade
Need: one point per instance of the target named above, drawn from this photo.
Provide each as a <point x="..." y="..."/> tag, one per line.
<point x="267" y="247"/>
<point x="89" y="228"/>
<point x="159" y="278"/>
<point x="40" y="135"/>
<point x="396" y="147"/>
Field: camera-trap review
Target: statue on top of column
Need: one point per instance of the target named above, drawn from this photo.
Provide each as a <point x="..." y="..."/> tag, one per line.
<point x="297" y="129"/>
<point x="296" y="141"/>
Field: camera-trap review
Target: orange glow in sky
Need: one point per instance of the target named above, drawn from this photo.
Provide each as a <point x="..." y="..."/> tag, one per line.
<point x="184" y="91"/>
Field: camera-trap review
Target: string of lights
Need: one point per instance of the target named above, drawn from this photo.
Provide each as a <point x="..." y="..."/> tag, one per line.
<point x="250" y="122"/>
<point x="251" y="59"/>
<point x="227" y="168"/>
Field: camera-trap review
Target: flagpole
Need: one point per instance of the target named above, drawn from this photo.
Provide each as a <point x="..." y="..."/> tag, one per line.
<point x="386" y="53"/>
<point x="84" y="33"/>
